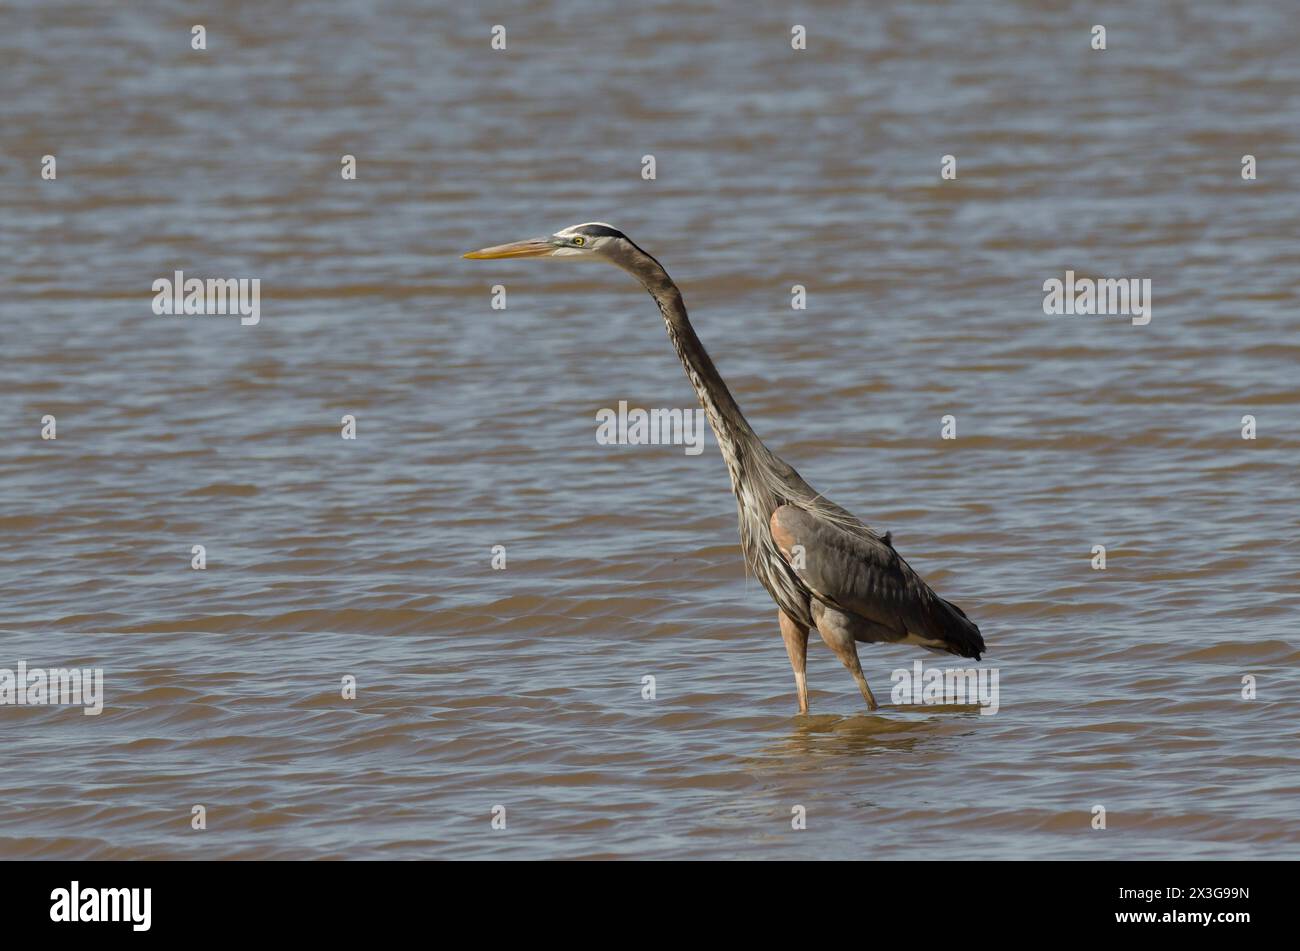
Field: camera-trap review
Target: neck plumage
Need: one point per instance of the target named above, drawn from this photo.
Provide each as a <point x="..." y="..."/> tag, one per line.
<point x="733" y="432"/>
<point x="760" y="481"/>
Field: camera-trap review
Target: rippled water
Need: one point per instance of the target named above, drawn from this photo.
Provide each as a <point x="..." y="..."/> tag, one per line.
<point x="522" y="687"/>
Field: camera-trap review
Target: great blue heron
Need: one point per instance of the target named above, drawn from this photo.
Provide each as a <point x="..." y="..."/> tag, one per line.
<point x="823" y="567"/>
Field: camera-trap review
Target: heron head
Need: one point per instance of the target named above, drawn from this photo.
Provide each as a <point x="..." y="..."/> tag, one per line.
<point x="594" y="239"/>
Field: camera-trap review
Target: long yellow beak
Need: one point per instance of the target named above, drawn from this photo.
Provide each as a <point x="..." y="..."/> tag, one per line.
<point x="532" y="248"/>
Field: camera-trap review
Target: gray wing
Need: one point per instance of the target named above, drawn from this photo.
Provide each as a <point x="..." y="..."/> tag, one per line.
<point x="855" y="571"/>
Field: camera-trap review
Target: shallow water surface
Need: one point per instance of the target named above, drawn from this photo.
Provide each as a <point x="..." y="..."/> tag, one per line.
<point x="522" y="687"/>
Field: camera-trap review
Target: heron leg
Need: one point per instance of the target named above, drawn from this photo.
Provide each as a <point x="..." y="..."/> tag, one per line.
<point x="795" y="636"/>
<point x="838" y="635"/>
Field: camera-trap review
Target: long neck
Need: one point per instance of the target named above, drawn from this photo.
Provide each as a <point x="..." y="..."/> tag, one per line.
<point x="735" y="437"/>
<point x="760" y="481"/>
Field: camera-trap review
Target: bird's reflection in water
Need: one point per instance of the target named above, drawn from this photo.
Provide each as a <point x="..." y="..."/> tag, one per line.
<point x="892" y="729"/>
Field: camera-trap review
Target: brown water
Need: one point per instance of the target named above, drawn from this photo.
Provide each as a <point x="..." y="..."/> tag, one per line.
<point x="522" y="687"/>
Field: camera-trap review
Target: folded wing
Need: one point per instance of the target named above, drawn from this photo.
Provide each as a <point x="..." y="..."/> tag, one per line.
<point x="852" y="569"/>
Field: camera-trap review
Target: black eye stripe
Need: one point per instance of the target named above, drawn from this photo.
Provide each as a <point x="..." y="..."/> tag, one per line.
<point x="600" y="231"/>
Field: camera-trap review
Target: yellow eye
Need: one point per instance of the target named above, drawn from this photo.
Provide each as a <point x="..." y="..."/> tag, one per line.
<point x="579" y="241"/>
